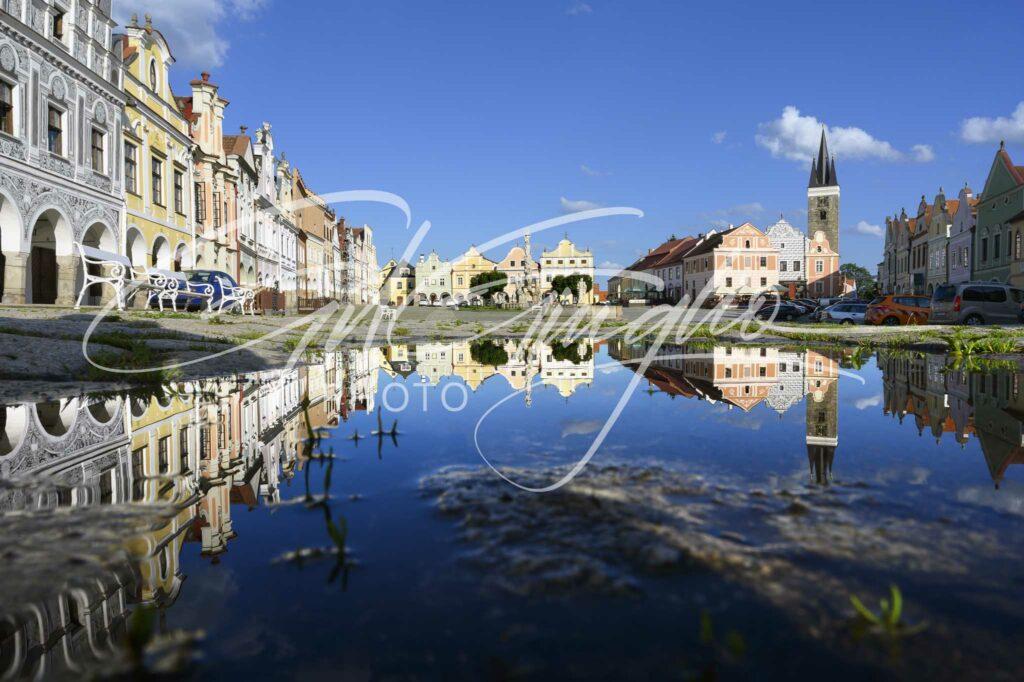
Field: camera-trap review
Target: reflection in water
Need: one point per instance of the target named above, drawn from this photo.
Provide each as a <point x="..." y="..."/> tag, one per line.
<point x="747" y="376"/>
<point x="190" y="457"/>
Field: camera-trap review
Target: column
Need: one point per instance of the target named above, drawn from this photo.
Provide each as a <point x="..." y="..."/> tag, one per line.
<point x="66" y="270"/>
<point x="15" y="278"/>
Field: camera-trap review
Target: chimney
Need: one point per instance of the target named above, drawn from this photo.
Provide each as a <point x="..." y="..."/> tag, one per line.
<point x="205" y="76"/>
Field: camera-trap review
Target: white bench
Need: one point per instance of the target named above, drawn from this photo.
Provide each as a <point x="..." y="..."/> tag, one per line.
<point x="114" y="270"/>
<point x="169" y="285"/>
<point x="231" y="295"/>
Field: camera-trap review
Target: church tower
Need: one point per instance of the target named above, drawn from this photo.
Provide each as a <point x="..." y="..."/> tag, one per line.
<point x="821" y="373"/>
<point x="823" y="197"/>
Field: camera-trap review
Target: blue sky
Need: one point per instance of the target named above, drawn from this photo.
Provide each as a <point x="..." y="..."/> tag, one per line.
<point x="488" y="116"/>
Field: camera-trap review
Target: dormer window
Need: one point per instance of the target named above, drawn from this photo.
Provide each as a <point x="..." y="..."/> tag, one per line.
<point x="152" y="75"/>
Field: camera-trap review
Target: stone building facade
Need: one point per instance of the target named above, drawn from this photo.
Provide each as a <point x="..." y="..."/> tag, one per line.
<point x="433" y="279"/>
<point x="823" y="196"/>
<point x="156" y="155"/>
<point x="961" y="236"/>
<point x="1000" y="207"/>
<point x="61" y="107"/>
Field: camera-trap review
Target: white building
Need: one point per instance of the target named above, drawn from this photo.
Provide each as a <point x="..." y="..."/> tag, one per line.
<point x="361" y="276"/>
<point x="277" y="237"/>
<point x="238" y="150"/>
<point x="61" y="109"/>
<point x="792" y="246"/>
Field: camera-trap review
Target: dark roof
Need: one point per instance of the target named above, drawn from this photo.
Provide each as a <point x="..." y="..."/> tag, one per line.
<point x="823" y="169"/>
<point x="709" y="244"/>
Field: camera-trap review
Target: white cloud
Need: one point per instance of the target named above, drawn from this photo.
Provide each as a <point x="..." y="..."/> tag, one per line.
<point x="610" y="265"/>
<point x="922" y="153"/>
<point x="578" y="8"/>
<point x="981" y="129"/>
<point x="191" y="26"/>
<point x="796" y="137"/>
<point x="581" y="427"/>
<point x="719" y="137"/>
<point x="571" y="206"/>
<point x="593" y="172"/>
<point x="865" y="403"/>
<point x="864" y="227"/>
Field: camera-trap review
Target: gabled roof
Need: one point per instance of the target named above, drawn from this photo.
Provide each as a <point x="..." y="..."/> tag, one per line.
<point x="710" y="243"/>
<point x="677" y="252"/>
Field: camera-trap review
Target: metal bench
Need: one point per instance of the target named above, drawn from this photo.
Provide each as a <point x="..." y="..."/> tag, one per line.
<point x="103" y="267"/>
<point x="169" y="286"/>
<point x="231" y="295"/>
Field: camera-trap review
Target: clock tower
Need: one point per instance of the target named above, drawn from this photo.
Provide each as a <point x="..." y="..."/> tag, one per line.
<point x="823" y="197"/>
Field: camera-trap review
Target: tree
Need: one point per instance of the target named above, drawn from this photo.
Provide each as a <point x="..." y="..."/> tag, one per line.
<point x="487" y="283"/>
<point x="867" y="286"/>
<point x="488" y="353"/>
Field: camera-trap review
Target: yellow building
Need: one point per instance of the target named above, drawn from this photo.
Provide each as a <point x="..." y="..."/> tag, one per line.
<point x="566" y="260"/>
<point x="464" y="268"/>
<point x="156" y="156"/>
<point x="397" y="283"/>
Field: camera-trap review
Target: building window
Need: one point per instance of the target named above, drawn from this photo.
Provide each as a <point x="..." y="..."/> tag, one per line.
<point x="746" y="244"/>
<point x="97" y="150"/>
<point x="152" y="75"/>
<point x="783" y="266"/>
<point x="157" y="177"/>
<point x="130" y="169"/>
<point x="984" y="249"/>
<point x="57" y="25"/>
<point x="183" y="448"/>
<point x="995" y="246"/>
<point x="6" y="108"/>
<point x="819" y="266"/>
<point x="216" y="210"/>
<point x="764" y="281"/>
<point x="728" y="281"/>
<point x="163" y="449"/>
<point x="179" y="191"/>
<point x="728" y="261"/>
<point x="764" y="261"/>
<point x="200" y="191"/>
<point x="55" y="131"/>
<point x="796" y="266"/>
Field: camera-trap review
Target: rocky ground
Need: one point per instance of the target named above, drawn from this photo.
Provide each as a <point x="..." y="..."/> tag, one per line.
<point x="803" y="550"/>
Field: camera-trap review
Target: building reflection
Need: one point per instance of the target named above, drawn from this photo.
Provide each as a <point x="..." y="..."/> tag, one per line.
<point x="939" y="400"/>
<point x="743" y="377"/>
<point x="203" y="450"/>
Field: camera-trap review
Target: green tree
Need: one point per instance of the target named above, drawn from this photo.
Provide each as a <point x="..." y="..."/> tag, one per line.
<point x="867" y="286"/>
<point x="488" y="283"/>
<point x="488" y="353"/>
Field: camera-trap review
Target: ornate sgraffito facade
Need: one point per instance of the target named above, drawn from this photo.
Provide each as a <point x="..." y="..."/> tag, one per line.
<point x="156" y="155"/>
<point x="790" y="243"/>
<point x="60" y="176"/>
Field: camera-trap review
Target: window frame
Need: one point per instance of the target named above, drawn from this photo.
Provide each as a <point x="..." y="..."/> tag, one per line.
<point x="179" y="190"/>
<point x="132" y="163"/>
<point x="102" y="150"/>
<point x="52" y="108"/>
<point x="156" y="189"/>
<point x="11" y="113"/>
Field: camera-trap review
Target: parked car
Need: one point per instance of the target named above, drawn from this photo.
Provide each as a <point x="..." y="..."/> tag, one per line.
<point x="211" y="277"/>
<point x="845" y="313"/>
<point x="897" y="309"/>
<point x="786" y="311"/>
<point x="976" y="303"/>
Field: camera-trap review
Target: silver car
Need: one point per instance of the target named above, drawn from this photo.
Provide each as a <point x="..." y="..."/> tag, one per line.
<point x="845" y="313"/>
<point x="976" y="303"/>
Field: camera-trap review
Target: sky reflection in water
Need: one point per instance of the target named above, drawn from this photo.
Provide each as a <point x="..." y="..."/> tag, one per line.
<point x="201" y="501"/>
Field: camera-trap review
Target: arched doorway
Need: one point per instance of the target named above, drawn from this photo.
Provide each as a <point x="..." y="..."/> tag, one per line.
<point x="10" y="230"/>
<point x="51" y="261"/>
<point x="135" y="245"/>
<point x="160" y="255"/>
<point x="180" y="260"/>
<point x="97" y="236"/>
